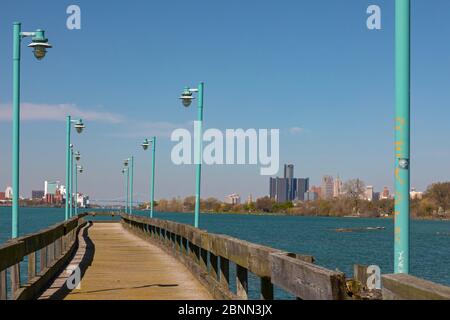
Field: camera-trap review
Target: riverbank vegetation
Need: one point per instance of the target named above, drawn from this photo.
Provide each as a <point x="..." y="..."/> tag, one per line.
<point x="435" y="204"/>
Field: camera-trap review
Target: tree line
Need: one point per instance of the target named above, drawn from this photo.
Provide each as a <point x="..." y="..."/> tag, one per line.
<point x="435" y="203"/>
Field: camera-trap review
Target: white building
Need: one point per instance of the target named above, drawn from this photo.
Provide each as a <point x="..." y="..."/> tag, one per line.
<point x="327" y="187"/>
<point x="369" y="193"/>
<point x="415" y="194"/>
<point x="233" y="199"/>
<point x="338" y="188"/>
<point x="8" y="193"/>
<point x="82" y="201"/>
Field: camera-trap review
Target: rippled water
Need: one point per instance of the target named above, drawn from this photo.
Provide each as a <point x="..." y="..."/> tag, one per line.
<point x="317" y="236"/>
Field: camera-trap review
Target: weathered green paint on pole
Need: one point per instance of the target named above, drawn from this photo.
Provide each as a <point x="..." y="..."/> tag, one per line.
<point x="16" y="130"/>
<point x="125" y="175"/>
<point x="152" y="191"/>
<point x="71" y="184"/>
<point x="198" y="176"/>
<point x="131" y="186"/>
<point x="68" y="124"/>
<point x="402" y="135"/>
<point x="76" y="190"/>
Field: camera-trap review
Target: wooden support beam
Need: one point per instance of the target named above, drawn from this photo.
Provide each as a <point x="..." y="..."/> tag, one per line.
<point x="224" y="272"/>
<point x="3" y="286"/>
<point x="43" y="259"/>
<point x="204" y="259"/>
<point x="214" y="270"/>
<point x="266" y="289"/>
<point x="241" y="282"/>
<point x="14" y="274"/>
<point x="31" y="266"/>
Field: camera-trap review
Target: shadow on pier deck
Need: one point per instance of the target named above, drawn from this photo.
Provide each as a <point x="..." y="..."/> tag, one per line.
<point x="116" y="264"/>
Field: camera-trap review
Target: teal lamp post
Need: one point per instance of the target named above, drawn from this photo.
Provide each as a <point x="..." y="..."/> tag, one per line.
<point x="79" y="127"/>
<point x="129" y="164"/>
<point x="402" y="136"/>
<point x="186" y="99"/>
<point x="79" y="169"/>
<point x="125" y="170"/>
<point x="145" y="146"/>
<point x="77" y="156"/>
<point x="39" y="44"/>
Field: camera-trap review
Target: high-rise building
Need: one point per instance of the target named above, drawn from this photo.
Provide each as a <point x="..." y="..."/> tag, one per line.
<point x="369" y="193"/>
<point x="385" y="194"/>
<point x="37" y="194"/>
<point x="279" y="189"/>
<point x="338" y="187"/>
<point x="289" y="171"/>
<point x="233" y="199"/>
<point x="288" y="188"/>
<point x="327" y="187"/>
<point x="302" y="188"/>
<point x="8" y="193"/>
<point x="250" y="199"/>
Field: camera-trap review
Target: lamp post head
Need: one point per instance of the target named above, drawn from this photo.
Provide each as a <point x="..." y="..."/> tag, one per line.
<point x="145" y="144"/>
<point x="77" y="155"/>
<point x="186" y="97"/>
<point x="80" y="169"/>
<point x="40" y="44"/>
<point x="79" y="126"/>
<point x="125" y="163"/>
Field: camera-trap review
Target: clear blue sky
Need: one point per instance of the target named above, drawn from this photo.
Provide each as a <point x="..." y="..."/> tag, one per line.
<point x="266" y="64"/>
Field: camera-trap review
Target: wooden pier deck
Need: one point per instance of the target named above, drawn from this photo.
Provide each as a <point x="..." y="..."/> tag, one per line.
<point x="119" y="265"/>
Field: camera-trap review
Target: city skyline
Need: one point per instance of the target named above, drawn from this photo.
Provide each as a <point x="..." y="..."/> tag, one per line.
<point x="276" y="50"/>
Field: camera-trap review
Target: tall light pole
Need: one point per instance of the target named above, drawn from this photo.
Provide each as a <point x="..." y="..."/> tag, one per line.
<point x="39" y="44"/>
<point x="79" y="127"/>
<point x="145" y="146"/>
<point x="79" y="169"/>
<point x="77" y="156"/>
<point x="131" y="184"/>
<point x="186" y="98"/>
<point x="71" y="183"/>
<point x="402" y="135"/>
<point x="125" y="170"/>
<point x="129" y="164"/>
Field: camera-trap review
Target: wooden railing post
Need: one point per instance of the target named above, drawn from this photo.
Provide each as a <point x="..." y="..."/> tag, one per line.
<point x="3" y="286"/>
<point x="14" y="274"/>
<point x="194" y="252"/>
<point x="214" y="271"/>
<point x="225" y="272"/>
<point x="178" y="243"/>
<point x="241" y="282"/>
<point x="203" y="259"/>
<point x="185" y="247"/>
<point x="31" y="266"/>
<point x="43" y="259"/>
<point x="266" y="289"/>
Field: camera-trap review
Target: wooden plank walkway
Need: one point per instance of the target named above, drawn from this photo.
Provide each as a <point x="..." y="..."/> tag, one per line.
<point x="117" y="265"/>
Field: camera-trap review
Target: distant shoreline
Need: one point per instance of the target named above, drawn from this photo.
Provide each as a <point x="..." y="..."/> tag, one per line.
<point x="251" y="213"/>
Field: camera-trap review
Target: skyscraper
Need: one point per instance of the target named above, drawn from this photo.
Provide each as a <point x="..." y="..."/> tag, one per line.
<point x="289" y="171"/>
<point x="288" y="188"/>
<point x="338" y="188"/>
<point x="302" y="188"/>
<point x="327" y="187"/>
<point x="369" y="193"/>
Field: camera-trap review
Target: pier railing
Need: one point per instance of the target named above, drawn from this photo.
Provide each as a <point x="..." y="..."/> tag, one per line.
<point x="45" y="253"/>
<point x="208" y="256"/>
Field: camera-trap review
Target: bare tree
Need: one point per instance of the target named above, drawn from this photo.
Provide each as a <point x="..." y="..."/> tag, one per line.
<point x="354" y="189"/>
